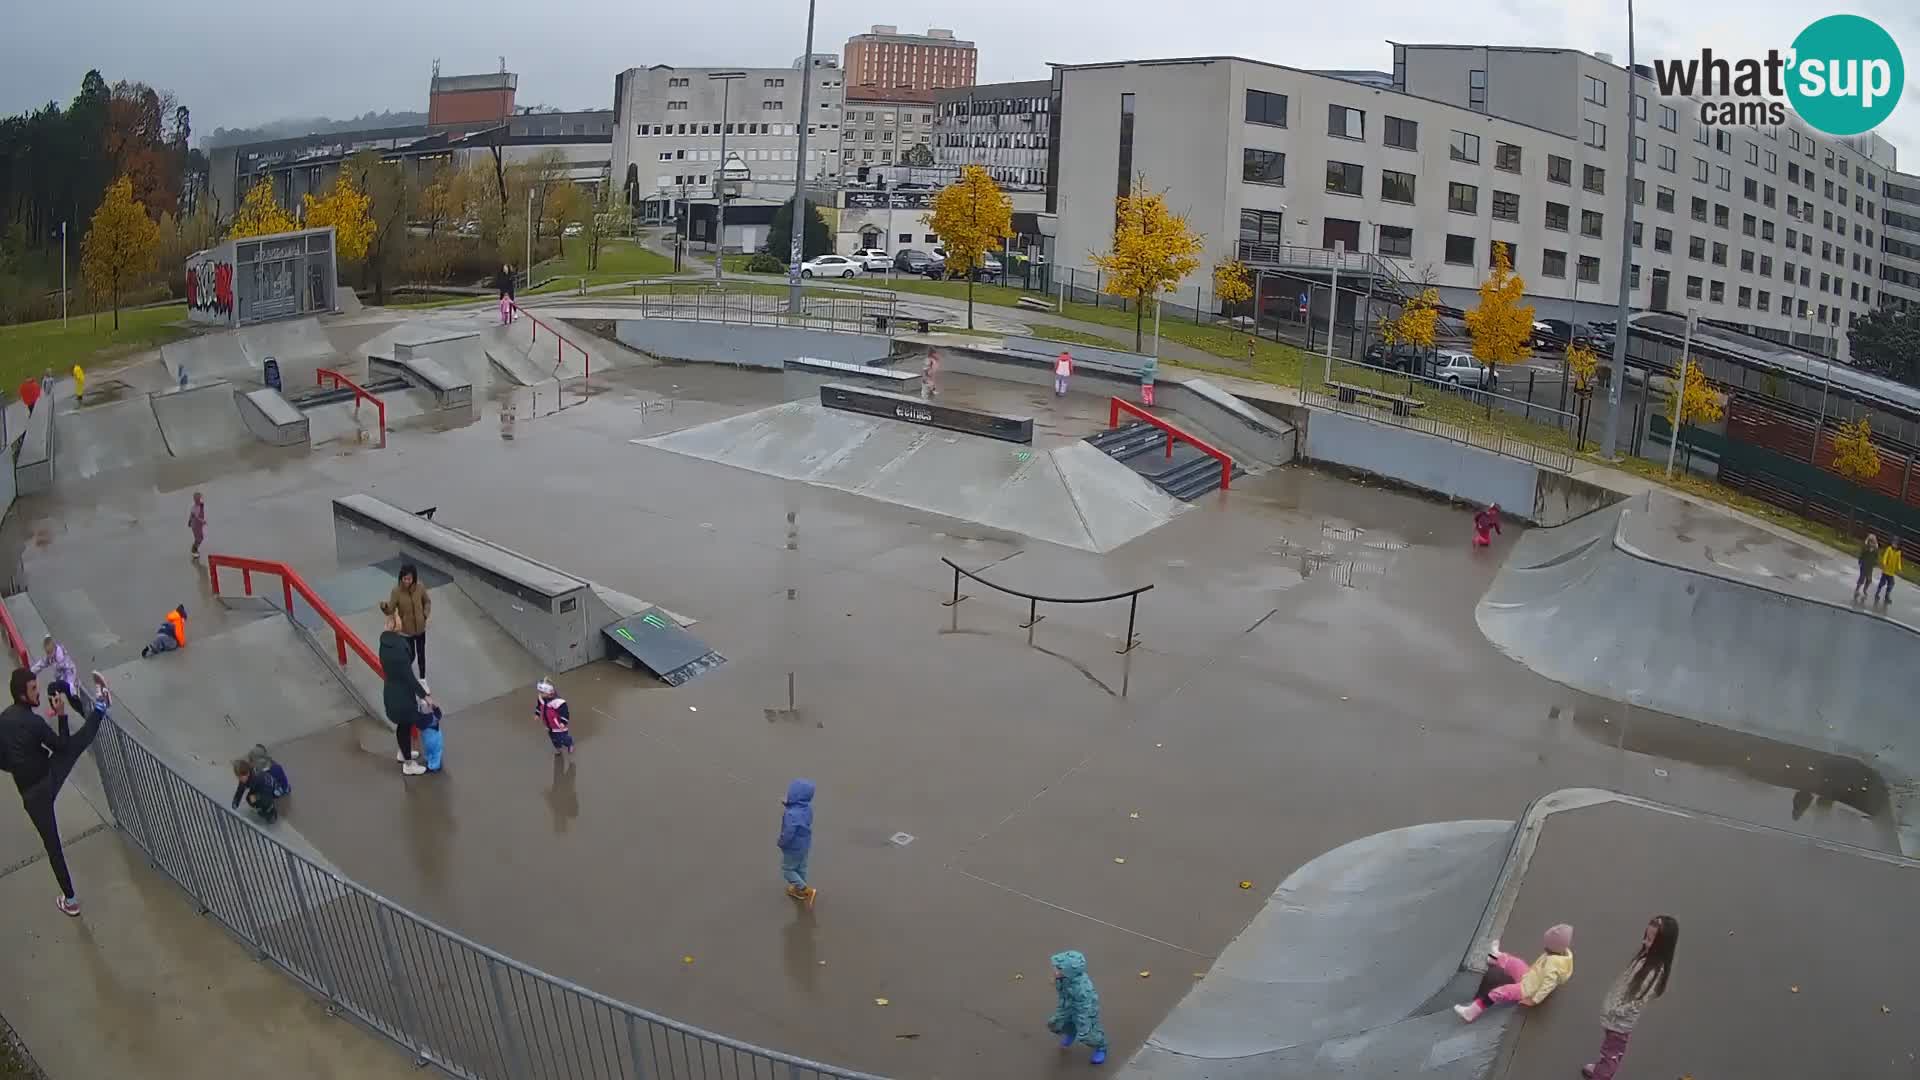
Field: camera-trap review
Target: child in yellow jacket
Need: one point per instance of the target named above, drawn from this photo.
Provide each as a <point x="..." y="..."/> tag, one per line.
<point x="1891" y="563"/>
<point x="1512" y="981"/>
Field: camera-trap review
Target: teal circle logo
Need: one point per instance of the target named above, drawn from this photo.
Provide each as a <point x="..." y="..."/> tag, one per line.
<point x="1846" y="75"/>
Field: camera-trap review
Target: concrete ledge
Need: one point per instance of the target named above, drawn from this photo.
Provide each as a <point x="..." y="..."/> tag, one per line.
<point x="449" y="391"/>
<point x="271" y="417"/>
<point x="1241" y="428"/>
<point x="1090" y="356"/>
<point x="33" y="464"/>
<point x="1018" y="429"/>
<point x="747" y="345"/>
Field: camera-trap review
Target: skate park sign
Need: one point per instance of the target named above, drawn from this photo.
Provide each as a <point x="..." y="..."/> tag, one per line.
<point x="915" y="411"/>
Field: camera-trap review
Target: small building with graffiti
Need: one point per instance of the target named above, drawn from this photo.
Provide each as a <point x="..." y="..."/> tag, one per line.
<point x="260" y="278"/>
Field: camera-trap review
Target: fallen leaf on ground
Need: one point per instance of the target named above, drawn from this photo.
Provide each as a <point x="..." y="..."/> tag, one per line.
<point x="1795" y="989"/>
<point x="1118" y="859"/>
<point x="1135" y="815"/>
<point x="1145" y="974"/>
<point x="882" y="1002"/>
<point x="1017" y="976"/>
<point x="908" y="1035"/>
<point x="686" y="959"/>
<point x="1246" y="884"/>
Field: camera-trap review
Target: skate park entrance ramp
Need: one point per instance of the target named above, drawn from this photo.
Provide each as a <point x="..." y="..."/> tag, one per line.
<point x="1661" y="603"/>
<point x="151" y="428"/>
<point x="238" y="356"/>
<point x="1070" y="494"/>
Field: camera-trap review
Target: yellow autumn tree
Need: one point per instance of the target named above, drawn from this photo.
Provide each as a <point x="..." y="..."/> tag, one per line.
<point x="260" y="214"/>
<point x="1232" y="282"/>
<point x="1695" y="402"/>
<point x="121" y="245"/>
<point x="1582" y="365"/>
<point x="1854" y="455"/>
<point x="349" y="210"/>
<point x="1418" y="321"/>
<point x="1153" y="250"/>
<point x="972" y="217"/>
<point x="1501" y="324"/>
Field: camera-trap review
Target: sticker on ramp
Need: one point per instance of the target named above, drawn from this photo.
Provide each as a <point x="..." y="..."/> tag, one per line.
<point x="654" y="642"/>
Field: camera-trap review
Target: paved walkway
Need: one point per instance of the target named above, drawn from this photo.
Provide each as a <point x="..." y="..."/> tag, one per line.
<point x="141" y="985"/>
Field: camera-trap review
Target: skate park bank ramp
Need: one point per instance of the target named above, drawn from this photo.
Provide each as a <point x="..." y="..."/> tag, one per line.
<point x="1653" y="604"/>
<point x="555" y="617"/>
<point x="1337" y="975"/>
<point x="1072" y="495"/>
<point x="300" y="346"/>
<point x="210" y="418"/>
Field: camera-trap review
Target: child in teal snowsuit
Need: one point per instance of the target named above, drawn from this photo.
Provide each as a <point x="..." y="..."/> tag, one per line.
<point x="1077" y="1016"/>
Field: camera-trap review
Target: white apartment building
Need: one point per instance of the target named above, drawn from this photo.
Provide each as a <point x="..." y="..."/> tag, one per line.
<point x="882" y="126"/>
<point x="668" y="125"/>
<point x="1900" y="240"/>
<point x="1005" y="127"/>
<point x="1777" y="230"/>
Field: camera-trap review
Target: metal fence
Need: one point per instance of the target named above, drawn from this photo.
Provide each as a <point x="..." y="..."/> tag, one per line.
<point x="1437" y="397"/>
<point x="453" y="1003"/>
<point x="821" y="307"/>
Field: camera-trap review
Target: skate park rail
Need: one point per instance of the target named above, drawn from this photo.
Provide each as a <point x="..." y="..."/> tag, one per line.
<point x="1116" y="406"/>
<point x="560" y="342"/>
<point x="291" y="582"/>
<point x="449" y="1001"/>
<point x="16" y="644"/>
<point x="1034" y="600"/>
<point x="322" y="375"/>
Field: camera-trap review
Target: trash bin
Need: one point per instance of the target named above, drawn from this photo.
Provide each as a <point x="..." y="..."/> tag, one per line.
<point x="271" y="371"/>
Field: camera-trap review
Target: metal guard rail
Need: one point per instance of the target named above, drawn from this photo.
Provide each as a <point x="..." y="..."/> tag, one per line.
<point x="291" y="582"/>
<point x="1034" y="600"/>
<point x="320" y="377"/>
<point x="1116" y="406"/>
<point x="560" y="341"/>
<point x="15" y="642"/>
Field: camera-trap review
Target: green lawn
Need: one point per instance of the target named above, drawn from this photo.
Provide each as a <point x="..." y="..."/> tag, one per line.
<point x="1074" y="337"/>
<point x="620" y="260"/>
<point x="31" y="348"/>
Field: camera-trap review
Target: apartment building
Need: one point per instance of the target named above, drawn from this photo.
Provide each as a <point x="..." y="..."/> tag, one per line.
<point x="668" y="124"/>
<point x="1005" y="127"/>
<point x="881" y="126"/>
<point x="1900" y="240"/>
<point x="1776" y="231"/>
<point x="884" y="56"/>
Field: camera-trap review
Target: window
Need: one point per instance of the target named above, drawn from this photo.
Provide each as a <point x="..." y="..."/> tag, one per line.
<point x="1793" y="173"/>
<point x="1747" y="224"/>
<point x="1263" y="166"/>
<point x="1634" y="271"/>
<point x="1590" y="268"/>
<point x="1594" y="179"/>
<point x="1553" y="264"/>
<point x="1506" y="206"/>
<point x="1701" y="135"/>
<point x="1701" y="172"/>
<point x="1639" y="192"/>
<point x="1595" y="134"/>
<point x="1669" y="158"/>
<point x="1639" y="107"/>
<point x="1590" y="222"/>
<point x="1260" y="226"/>
<point x="1559" y="169"/>
<point x="1786" y="305"/>
<point x="1694" y="287"/>
<point x="1639" y="148"/>
<point x="1265" y="108"/>
<point x="1745" y="296"/>
<point x="1764" y="300"/>
<point x="1345" y="123"/>
<point x="1721" y="215"/>
<point x="1697" y="248"/>
<point x="1719" y="254"/>
<point x="1464" y="147"/>
<point x="1717" y="292"/>
<point x="1663" y="239"/>
<point x="1463" y="198"/>
<point x="1396" y="240"/>
<point x="1506" y="157"/>
<point x="1403" y="134"/>
<point x="1396" y="186"/>
<point x="1773" y="162"/>
<point x="1123" y="184"/>
<point x="1750" y="188"/>
<point x="666" y="155"/>
<point x="1723" y="140"/>
<point x="1596" y="91"/>
<point x="1752" y="152"/>
<point x="676" y="106"/>
<point x="1344" y="178"/>
<point x="1663" y="199"/>
<point x="1459" y="250"/>
<point x="1767" y="197"/>
<point x="1638" y="233"/>
<point x="1699" y="209"/>
<point x="1557" y="216"/>
<point x="1477" y="90"/>
<point x="1669" y="120"/>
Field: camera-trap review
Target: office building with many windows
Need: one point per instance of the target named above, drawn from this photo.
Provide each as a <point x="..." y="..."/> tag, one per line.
<point x="1777" y="230"/>
<point x="1005" y="127"/>
<point x="883" y="56"/>
<point x="881" y="127"/>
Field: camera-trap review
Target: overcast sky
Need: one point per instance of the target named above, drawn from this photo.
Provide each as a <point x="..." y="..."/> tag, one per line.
<point x="238" y="64"/>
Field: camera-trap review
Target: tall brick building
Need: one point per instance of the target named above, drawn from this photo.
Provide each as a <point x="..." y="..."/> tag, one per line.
<point x="471" y="99"/>
<point x="884" y="57"/>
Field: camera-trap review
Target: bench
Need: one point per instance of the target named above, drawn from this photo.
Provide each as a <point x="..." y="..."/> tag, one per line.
<point x="1035" y="303"/>
<point x="881" y="322"/>
<point x="1400" y="403"/>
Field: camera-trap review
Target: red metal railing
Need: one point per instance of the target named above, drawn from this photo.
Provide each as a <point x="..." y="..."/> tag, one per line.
<point x="291" y="582"/>
<point x="560" y="342"/>
<point x="323" y="374"/>
<point x="1116" y="406"/>
<point x="15" y="643"/>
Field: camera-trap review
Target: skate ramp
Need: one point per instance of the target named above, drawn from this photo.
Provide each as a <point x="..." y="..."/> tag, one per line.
<point x="102" y="438"/>
<point x="201" y="419"/>
<point x="1071" y="495"/>
<point x="356" y="421"/>
<point x="238" y="355"/>
<point x="1326" y="980"/>
<point x="216" y="355"/>
<point x="1615" y="613"/>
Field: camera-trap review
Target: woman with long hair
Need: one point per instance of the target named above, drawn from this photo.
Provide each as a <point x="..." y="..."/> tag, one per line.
<point x="1644" y="980"/>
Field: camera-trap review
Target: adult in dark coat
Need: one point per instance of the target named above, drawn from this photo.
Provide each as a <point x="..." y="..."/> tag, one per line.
<point x="401" y="691"/>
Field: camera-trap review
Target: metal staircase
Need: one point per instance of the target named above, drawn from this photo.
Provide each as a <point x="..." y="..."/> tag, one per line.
<point x="1391" y="282"/>
<point x="1186" y="474"/>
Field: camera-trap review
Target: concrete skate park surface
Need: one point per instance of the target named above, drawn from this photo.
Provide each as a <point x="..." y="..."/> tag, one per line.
<point x="1664" y="604"/>
<point x="1310" y="675"/>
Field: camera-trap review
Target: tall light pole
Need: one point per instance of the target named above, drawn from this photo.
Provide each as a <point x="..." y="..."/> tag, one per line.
<point x="529" y="238"/>
<point x="63" y="275"/>
<point x="799" y="229"/>
<point x="1620" y="329"/>
<point x="725" y="79"/>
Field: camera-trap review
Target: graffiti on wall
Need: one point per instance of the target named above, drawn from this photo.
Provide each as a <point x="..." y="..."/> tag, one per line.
<point x="210" y="289"/>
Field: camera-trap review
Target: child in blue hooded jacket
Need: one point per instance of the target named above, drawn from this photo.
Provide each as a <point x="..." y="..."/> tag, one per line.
<point x="1076" y="1017"/>
<point x="796" y="841"/>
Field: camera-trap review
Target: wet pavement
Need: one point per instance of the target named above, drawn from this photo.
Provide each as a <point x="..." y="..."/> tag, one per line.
<point x="1310" y="673"/>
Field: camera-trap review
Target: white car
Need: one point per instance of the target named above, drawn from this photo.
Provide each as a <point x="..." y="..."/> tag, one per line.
<point x="829" y="266"/>
<point x="873" y="260"/>
<point x="574" y="229"/>
<point x="1463" y="369"/>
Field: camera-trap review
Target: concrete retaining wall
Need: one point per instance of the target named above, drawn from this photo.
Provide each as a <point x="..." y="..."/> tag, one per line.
<point x="1428" y="462"/>
<point x="748" y="346"/>
<point x="33" y="464"/>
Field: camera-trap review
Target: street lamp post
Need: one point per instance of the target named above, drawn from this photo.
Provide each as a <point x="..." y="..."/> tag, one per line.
<point x="529" y="239"/>
<point x="799" y="229"/>
<point x="725" y="79"/>
<point x="1621" y="330"/>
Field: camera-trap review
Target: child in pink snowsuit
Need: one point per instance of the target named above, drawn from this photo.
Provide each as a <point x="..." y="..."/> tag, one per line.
<point x="1512" y="981"/>
<point x="1062" y="371"/>
<point x="1485" y="524"/>
<point x="197" y="522"/>
<point x="506" y="310"/>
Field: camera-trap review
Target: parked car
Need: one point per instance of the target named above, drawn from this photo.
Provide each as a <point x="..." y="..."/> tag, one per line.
<point x="1464" y="369"/>
<point x="1400" y="357"/>
<point x="935" y="269"/>
<point x="911" y="261"/>
<point x="1556" y="333"/>
<point x="574" y="229"/>
<point x="829" y="266"/>
<point x="873" y="260"/>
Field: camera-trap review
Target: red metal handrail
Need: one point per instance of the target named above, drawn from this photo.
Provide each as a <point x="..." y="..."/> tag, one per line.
<point x="291" y="582"/>
<point x="1116" y="406"/>
<point x="560" y="343"/>
<point x="323" y="374"/>
<point x="14" y="641"/>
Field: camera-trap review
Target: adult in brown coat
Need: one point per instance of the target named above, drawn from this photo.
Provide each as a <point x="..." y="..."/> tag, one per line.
<point x="409" y="600"/>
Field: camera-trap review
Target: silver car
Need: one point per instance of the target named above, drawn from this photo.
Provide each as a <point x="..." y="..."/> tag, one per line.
<point x="1464" y="369"/>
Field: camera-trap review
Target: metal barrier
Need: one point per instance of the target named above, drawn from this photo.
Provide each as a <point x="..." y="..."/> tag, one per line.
<point x="1034" y="600"/>
<point x="290" y="583"/>
<point x="1116" y="406"/>
<point x="853" y="310"/>
<point x="450" y="1001"/>
<point x="16" y="644"/>
<point x="1403" y="396"/>
<point x="1497" y="441"/>
<point x="320" y="377"/>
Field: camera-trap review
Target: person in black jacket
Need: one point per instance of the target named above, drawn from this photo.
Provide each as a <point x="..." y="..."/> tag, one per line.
<point x="503" y="284"/>
<point x="400" y="693"/>
<point x="40" y="758"/>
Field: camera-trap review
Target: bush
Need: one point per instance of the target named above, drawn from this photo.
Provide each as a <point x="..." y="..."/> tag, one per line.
<point x="765" y="263"/>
